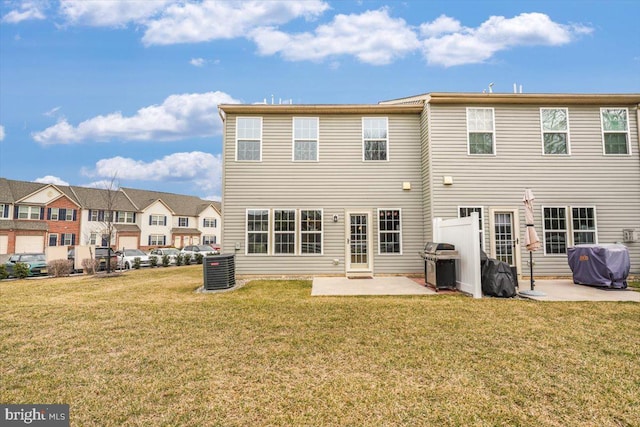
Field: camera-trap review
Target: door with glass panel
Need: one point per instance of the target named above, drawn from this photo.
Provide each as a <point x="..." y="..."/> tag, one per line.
<point x="505" y="241"/>
<point x="358" y="232"/>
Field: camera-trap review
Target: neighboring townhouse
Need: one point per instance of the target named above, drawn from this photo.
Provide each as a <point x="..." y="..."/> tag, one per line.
<point x="34" y="216"/>
<point x="177" y="220"/>
<point x="354" y="189"/>
<point x="107" y="212"/>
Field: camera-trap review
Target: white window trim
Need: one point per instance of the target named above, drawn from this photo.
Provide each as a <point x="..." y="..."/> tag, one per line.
<point x="300" y="232"/>
<point x="272" y="231"/>
<point x="493" y="132"/>
<point x="387" y="140"/>
<point x="293" y="140"/>
<point x="246" y="232"/>
<point x="595" y="222"/>
<point x="55" y="214"/>
<point x="157" y="223"/>
<point x="2" y="207"/>
<point x="380" y="232"/>
<point x="627" y="132"/>
<point x="542" y="132"/>
<point x="481" y="214"/>
<point x="31" y="209"/>
<point x="260" y="140"/>
<point x="567" y="229"/>
<point x="158" y="243"/>
<point x="183" y="226"/>
<point x="209" y="220"/>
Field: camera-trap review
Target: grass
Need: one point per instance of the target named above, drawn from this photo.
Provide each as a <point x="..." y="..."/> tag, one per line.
<point x="144" y="349"/>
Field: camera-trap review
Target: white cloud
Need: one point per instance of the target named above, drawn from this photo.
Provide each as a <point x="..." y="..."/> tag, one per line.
<point x="197" y="62"/>
<point x="52" y="112"/>
<point x="50" y="179"/>
<point x="28" y="10"/>
<point x="111" y="13"/>
<point x="2" y="133"/>
<point x="451" y="44"/>
<point x="373" y="37"/>
<point x="203" y="170"/>
<point x="213" y="19"/>
<point x="178" y="117"/>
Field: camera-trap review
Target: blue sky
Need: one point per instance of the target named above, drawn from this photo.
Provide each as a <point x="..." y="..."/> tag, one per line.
<point x="95" y="89"/>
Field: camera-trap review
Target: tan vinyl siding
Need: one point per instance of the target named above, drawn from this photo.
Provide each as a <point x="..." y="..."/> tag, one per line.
<point x="340" y="180"/>
<point x="585" y="178"/>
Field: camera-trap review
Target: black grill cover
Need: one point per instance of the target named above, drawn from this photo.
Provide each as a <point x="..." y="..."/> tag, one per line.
<point x="497" y="278"/>
<point x="600" y="265"/>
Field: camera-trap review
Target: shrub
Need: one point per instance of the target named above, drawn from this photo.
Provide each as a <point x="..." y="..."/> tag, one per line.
<point x="165" y="260"/>
<point x="89" y="266"/>
<point x="3" y="272"/>
<point x="136" y="263"/>
<point x="60" y="267"/>
<point x="179" y="259"/>
<point x="187" y="259"/>
<point x="153" y="261"/>
<point x="20" y="270"/>
<point x="199" y="258"/>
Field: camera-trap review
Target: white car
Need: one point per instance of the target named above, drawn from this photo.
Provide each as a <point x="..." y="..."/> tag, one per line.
<point x="159" y="253"/>
<point x="126" y="258"/>
<point x="205" y="250"/>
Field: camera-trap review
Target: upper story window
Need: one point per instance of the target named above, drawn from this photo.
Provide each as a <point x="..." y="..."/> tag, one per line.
<point x="555" y="130"/>
<point x="209" y="222"/>
<point x="481" y="130"/>
<point x="305" y="139"/>
<point x="249" y="139"/>
<point x="157" y="220"/>
<point x="4" y="210"/>
<point x="61" y="214"/>
<point x="375" y="140"/>
<point x="125" y="217"/>
<point x="183" y="221"/>
<point x="615" y="130"/>
<point x="29" y="212"/>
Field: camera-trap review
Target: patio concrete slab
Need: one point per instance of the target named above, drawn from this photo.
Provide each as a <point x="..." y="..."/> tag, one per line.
<point x="566" y="290"/>
<point x="337" y="286"/>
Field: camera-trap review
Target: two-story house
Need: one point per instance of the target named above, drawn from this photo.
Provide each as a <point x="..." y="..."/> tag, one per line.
<point x="177" y="220"/>
<point x="34" y="216"/>
<point x="354" y="189"/>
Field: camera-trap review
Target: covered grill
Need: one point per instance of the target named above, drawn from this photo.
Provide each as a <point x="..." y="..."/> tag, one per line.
<point x="440" y="265"/>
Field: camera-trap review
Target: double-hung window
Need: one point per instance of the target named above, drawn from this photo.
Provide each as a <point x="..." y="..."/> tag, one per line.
<point x="183" y="221"/>
<point x="584" y="225"/>
<point x="67" y="239"/>
<point x="209" y="222"/>
<point x="125" y="217"/>
<point x="311" y="231"/>
<point x="28" y="212"/>
<point x="465" y="211"/>
<point x="481" y="130"/>
<point x="249" y="139"/>
<point x="4" y="210"/>
<point x="305" y="139"/>
<point x="389" y="231"/>
<point x="157" y="220"/>
<point x="615" y="130"/>
<point x="258" y="231"/>
<point x="284" y="231"/>
<point x="53" y="216"/>
<point x="53" y="239"/>
<point x="375" y="140"/>
<point x="555" y="130"/>
<point x="157" y="240"/>
<point x="209" y="240"/>
<point x="558" y="227"/>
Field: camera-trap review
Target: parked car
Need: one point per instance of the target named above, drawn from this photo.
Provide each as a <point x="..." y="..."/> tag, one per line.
<point x="100" y="254"/>
<point x="37" y="263"/>
<point x="199" y="249"/>
<point x="126" y="258"/>
<point x="158" y="253"/>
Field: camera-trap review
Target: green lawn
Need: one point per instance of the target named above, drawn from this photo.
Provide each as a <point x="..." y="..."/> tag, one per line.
<point x="144" y="349"/>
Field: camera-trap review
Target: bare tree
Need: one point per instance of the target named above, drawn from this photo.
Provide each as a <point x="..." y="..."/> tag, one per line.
<point x="112" y="188"/>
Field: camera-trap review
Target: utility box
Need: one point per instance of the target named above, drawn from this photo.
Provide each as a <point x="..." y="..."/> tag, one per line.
<point x="629" y="235"/>
<point x="219" y="272"/>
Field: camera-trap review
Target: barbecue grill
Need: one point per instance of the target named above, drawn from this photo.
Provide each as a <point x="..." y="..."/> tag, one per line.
<point x="440" y="265"/>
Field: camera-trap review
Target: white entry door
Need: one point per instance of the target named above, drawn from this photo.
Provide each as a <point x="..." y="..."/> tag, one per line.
<point x="358" y="247"/>
<point x="505" y="243"/>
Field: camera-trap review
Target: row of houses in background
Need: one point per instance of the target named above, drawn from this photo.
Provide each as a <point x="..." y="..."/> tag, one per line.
<point x="34" y="216"/>
<point x="354" y="189"/>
